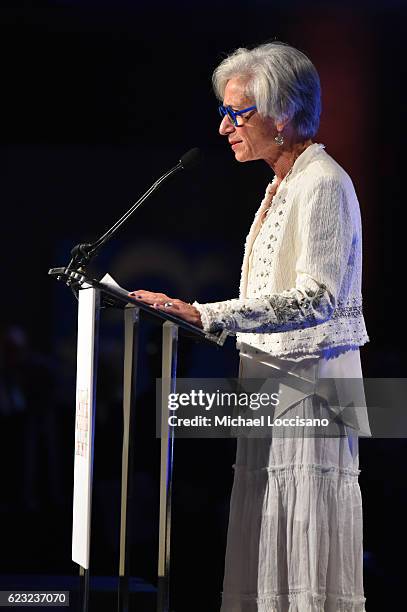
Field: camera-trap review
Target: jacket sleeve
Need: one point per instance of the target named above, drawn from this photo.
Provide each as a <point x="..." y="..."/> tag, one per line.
<point x="325" y="234"/>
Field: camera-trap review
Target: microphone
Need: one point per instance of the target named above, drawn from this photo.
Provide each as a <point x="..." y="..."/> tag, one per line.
<point x="82" y="253"/>
<point x="191" y="158"/>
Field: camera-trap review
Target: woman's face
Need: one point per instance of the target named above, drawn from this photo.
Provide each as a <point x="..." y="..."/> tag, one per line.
<point x="254" y="139"/>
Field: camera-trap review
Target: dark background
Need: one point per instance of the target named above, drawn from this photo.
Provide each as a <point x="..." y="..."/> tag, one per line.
<point x="98" y="99"/>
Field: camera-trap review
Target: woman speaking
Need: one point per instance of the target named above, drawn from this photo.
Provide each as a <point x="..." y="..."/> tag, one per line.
<point x="295" y="528"/>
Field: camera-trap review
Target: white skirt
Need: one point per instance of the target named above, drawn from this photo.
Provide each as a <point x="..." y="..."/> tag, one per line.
<point x="294" y="540"/>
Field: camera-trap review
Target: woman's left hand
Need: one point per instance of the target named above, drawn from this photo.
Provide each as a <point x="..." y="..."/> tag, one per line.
<point x="161" y="301"/>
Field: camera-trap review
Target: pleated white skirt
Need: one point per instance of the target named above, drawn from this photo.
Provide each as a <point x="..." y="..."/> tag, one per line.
<point x="294" y="539"/>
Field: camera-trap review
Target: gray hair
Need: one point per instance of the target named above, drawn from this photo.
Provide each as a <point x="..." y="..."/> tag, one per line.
<point x="282" y="81"/>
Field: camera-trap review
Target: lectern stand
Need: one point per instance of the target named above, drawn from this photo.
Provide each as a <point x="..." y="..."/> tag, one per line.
<point x="92" y="296"/>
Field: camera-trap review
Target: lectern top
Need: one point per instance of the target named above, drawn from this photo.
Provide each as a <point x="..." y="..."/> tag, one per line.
<point x="118" y="297"/>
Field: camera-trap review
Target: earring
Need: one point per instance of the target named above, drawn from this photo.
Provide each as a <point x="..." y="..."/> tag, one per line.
<point x="279" y="139"/>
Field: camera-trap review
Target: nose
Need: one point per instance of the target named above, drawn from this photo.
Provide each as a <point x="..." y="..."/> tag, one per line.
<point x="226" y="126"/>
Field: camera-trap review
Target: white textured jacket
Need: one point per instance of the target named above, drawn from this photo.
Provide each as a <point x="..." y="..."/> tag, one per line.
<point x="300" y="288"/>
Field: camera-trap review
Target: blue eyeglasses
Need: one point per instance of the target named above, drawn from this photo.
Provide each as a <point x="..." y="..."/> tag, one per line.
<point x="234" y="116"/>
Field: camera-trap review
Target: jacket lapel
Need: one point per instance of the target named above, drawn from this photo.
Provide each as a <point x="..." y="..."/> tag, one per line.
<point x="251" y="237"/>
<point x="299" y="164"/>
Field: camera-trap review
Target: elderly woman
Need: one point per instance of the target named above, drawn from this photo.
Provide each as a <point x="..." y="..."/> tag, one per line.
<point x="295" y="530"/>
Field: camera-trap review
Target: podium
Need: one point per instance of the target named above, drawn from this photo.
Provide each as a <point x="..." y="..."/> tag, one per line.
<point x="94" y="296"/>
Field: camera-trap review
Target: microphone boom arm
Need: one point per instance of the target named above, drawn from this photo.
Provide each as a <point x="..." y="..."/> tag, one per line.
<point x="83" y="253"/>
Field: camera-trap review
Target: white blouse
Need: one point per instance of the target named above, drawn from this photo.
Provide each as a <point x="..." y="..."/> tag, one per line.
<point x="300" y="288"/>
